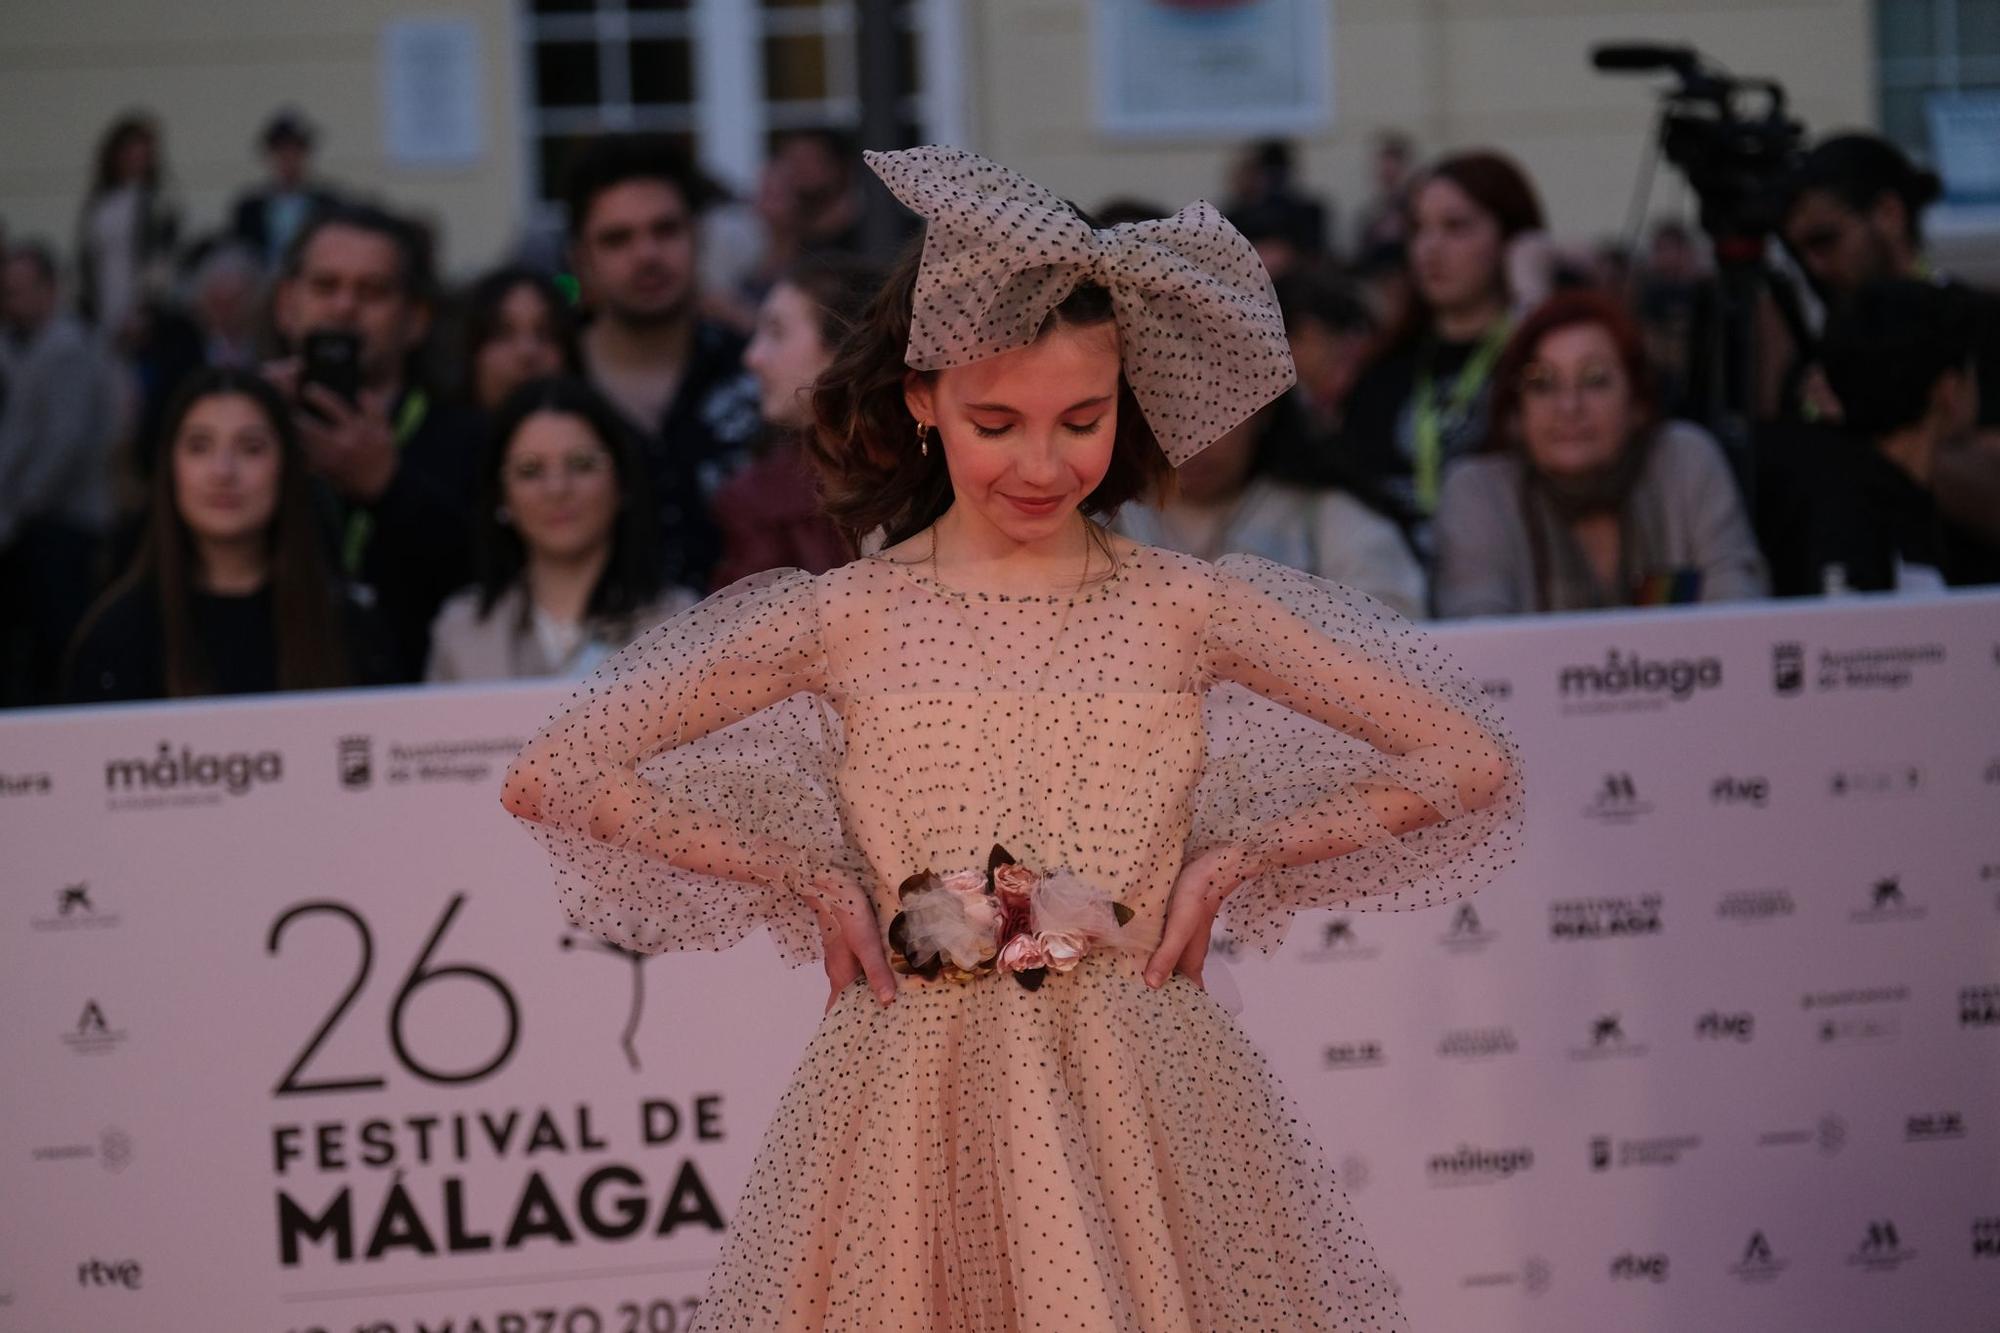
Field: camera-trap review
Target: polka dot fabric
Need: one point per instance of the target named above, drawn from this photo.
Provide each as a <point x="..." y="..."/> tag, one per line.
<point x="1201" y="339"/>
<point x="981" y="1158"/>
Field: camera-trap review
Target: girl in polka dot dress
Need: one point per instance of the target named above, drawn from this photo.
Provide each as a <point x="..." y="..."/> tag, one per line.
<point x="1001" y="778"/>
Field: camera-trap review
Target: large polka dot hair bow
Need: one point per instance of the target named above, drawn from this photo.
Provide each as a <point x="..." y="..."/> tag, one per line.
<point x="1200" y="337"/>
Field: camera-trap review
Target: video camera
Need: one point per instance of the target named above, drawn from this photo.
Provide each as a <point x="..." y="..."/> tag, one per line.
<point x="1731" y="138"/>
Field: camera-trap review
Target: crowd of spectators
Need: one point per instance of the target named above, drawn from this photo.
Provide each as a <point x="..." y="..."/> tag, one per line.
<point x="283" y="455"/>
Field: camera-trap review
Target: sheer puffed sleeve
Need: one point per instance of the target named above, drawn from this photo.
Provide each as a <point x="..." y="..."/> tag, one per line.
<point x="686" y="791"/>
<point x="1332" y="721"/>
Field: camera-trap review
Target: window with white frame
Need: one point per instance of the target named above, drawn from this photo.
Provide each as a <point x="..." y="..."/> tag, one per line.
<point x="1925" y="48"/>
<point x="720" y="77"/>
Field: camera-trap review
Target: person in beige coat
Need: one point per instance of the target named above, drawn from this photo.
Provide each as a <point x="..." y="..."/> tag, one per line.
<point x="566" y="574"/>
<point x="1582" y="497"/>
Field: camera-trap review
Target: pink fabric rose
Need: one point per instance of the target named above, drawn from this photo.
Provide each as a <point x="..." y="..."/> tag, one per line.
<point x="1063" y="949"/>
<point x="966" y="881"/>
<point x="1023" y="953"/>
<point x="1013" y="882"/>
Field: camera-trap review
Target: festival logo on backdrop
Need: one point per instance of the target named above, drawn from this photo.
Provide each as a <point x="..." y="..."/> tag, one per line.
<point x="1662" y="1150"/>
<point x="1469" y="1164"/>
<point x="112" y="1151"/>
<point x="1730" y="791"/>
<point x="1828" y="1134"/>
<point x="1726" y="1025"/>
<point x="1487" y="1043"/>
<point x="1532" y="1277"/>
<point x="1745" y="906"/>
<point x="1858" y="1015"/>
<point x="1760" y="1262"/>
<point x="75" y="907"/>
<point x="1606" y="1040"/>
<point x="1881" y="1249"/>
<point x="476" y="760"/>
<point x="1467" y="934"/>
<point x="25" y="784"/>
<point x="1630" y="1267"/>
<point x="1979" y="1006"/>
<point x="1338" y="940"/>
<point x="1363" y="1053"/>
<point x="1617" y="801"/>
<point x="1631" y="682"/>
<point x="1875" y="781"/>
<point x="93" y="1032"/>
<point x="1886" y="901"/>
<point x="1607" y="918"/>
<point x="177" y="777"/>
<point x="1934" y="1127"/>
<point x="357" y="1188"/>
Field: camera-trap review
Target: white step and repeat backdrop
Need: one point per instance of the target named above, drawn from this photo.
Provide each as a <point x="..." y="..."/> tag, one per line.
<point x="295" y="1039"/>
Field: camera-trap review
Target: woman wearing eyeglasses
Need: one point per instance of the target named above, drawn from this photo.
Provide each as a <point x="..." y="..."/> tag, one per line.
<point x="565" y="574"/>
<point x="1582" y="497"/>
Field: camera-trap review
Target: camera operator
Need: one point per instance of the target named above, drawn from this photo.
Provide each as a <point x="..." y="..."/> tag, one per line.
<point x="1898" y="358"/>
<point x="397" y="464"/>
<point x="1853" y="216"/>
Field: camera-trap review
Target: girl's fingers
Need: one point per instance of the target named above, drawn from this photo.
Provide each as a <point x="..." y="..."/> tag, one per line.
<point x="865" y="945"/>
<point x="1165" y="958"/>
<point x="1194" y="956"/>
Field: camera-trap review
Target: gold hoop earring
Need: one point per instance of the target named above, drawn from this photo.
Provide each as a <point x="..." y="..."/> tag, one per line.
<point x="923" y="440"/>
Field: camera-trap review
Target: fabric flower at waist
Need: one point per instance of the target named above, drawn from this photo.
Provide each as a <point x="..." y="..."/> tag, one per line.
<point x="965" y="924"/>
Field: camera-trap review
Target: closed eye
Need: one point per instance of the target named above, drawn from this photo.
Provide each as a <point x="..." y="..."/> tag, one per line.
<point x="1073" y="427"/>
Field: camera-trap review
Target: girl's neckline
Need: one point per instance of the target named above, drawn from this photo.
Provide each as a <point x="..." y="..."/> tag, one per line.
<point x="917" y="574"/>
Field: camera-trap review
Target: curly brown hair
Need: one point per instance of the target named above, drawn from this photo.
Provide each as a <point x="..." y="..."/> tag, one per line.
<point x="864" y="440"/>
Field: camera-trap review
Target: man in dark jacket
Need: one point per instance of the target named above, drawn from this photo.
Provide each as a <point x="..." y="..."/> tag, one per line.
<point x="677" y="378"/>
<point x="398" y="465"/>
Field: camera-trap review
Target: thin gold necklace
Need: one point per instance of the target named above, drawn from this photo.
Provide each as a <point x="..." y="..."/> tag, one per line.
<point x="979" y="640"/>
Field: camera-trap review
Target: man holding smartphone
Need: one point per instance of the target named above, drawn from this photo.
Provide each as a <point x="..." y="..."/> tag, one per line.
<point x="354" y="305"/>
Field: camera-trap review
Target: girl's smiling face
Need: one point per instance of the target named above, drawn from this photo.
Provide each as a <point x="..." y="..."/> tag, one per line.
<point x="1027" y="434"/>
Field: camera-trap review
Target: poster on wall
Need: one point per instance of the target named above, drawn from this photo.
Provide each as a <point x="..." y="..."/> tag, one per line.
<point x="1223" y="68"/>
<point x="432" y="93"/>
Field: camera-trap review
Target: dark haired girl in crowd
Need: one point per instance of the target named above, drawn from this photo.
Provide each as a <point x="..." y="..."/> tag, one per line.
<point x="231" y="591"/>
<point x="769" y="512"/>
<point x="565" y="552"/>
<point x="1007" y="769"/>
<point x="1473" y="218"/>
<point x="1583" y="496"/>
<point x="517" y="327"/>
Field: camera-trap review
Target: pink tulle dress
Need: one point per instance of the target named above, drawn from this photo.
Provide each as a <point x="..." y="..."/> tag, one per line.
<point x="978" y="1156"/>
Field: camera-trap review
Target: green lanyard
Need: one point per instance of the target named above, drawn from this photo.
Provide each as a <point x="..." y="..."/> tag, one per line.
<point x="360" y="523"/>
<point x="1427" y="423"/>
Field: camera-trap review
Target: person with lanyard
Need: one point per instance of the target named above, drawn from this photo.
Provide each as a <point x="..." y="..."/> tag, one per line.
<point x="397" y="466"/>
<point x="1422" y="400"/>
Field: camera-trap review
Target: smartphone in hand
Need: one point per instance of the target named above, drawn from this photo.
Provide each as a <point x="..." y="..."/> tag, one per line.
<point x="331" y="358"/>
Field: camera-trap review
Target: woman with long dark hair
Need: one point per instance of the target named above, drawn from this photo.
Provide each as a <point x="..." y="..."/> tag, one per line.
<point x="1422" y="401"/>
<point x="566" y="574"/>
<point x="231" y="591"/>
<point x="1008" y="769"/>
<point x="127" y="229"/>
<point x="1582" y="496"/>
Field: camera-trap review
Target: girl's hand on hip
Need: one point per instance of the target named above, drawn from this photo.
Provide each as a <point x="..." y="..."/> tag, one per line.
<point x="850" y="938"/>
<point x="1191" y="910"/>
